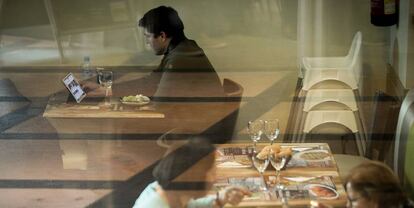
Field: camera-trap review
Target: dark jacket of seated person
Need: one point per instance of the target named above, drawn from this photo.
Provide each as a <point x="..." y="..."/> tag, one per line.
<point x="184" y="71"/>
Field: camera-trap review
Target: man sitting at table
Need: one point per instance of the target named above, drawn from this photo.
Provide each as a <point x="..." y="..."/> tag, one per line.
<point x="184" y="71"/>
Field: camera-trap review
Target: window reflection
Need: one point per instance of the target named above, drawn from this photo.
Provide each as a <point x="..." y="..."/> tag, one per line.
<point x="319" y="67"/>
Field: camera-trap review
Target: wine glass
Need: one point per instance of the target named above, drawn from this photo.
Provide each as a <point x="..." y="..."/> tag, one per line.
<point x="271" y="128"/>
<point x="105" y="79"/>
<point x="278" y="162"/>
<point x="255" y="129"/>
<point x="260" y="163"/>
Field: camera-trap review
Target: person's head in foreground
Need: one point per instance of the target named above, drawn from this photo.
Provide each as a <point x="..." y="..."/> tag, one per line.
<point x="187" y="173"/>
<point x="188" y="168"/>
<point x="373" y="184"/>
<point x="161" y="25"/>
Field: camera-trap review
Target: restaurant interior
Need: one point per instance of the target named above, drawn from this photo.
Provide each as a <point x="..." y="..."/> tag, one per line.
<point x="333" y="76"/>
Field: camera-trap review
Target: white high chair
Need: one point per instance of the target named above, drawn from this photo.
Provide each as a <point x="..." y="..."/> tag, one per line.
<point x="342" y="99"/>
<point x="334" y="122"/>
<point x="317" y="118"/>
<point x="346" y="69"/>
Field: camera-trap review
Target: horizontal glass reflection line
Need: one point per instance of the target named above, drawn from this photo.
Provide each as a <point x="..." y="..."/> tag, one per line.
<point x="60" y="184"/>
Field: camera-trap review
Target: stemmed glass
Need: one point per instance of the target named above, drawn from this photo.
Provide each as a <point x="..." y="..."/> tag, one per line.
<point x="278" y="162"/>
<point x="105" y="78"/>
<point x="271" y="128"/>
<point x="255" y="129"/>
<point x="260" y="163"/>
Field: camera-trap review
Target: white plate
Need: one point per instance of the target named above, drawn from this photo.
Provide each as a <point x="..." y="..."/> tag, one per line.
<point x="135" y="103"/>
<point x="302" y="155"/>
<point x="143" y="101"/>
<point x="322" y="191"/>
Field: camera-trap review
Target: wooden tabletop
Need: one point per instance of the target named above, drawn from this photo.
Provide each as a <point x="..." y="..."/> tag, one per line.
<point x="58" y="107"/>
<point x="99" y="111"/>
<point x="154" y="118"/>
<point x="321" y="176"/>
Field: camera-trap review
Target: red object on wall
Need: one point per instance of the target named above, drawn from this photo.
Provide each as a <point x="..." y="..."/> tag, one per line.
<point x="384" y="12"/>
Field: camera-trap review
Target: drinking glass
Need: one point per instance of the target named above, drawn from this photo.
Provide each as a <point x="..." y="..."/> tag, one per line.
<point x="260" y="164"/>
<point x="105" y="78"/>
<point x="278" y="163"/>
<point x="255" y="129"/>
<point x="271" y="128"/>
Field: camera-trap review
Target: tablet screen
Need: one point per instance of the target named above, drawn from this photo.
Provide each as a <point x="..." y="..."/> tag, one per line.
<point x="74" y="87"/>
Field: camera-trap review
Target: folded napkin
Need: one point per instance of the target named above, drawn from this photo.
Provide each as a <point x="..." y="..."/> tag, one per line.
<point x="300" y="149"/>
<point x="299" y="179"/>
<point x="232" y="164"/>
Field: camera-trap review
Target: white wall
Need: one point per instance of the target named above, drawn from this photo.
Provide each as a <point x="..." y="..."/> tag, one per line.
<point x="402" y="39"/>
<point x="327" y="27"/>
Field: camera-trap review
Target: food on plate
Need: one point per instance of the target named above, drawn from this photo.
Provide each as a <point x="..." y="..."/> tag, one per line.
<point x="322" y="191"/>
<point x="135" y="98"/>
<point x="267" y="150"/>
<point x="285" y="152"/>
<point x="275" y="149"/>
<point x="263" y="154"/>
<point x="314" y="155"/>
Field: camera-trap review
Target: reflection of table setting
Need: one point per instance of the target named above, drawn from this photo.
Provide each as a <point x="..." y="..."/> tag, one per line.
<point x="297" y="156"/>
<point x="260" y="156"/>
<point x="233" y="157"/>
<point x="316" y="188"/>
<point x="307" y="173"/>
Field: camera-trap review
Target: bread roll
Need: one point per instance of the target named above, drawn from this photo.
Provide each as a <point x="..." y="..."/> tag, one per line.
<point x="264" y="153"/>
<point x="276" y="148"/>
<point x="286" y="152"/>
<point x="267" y="150"/>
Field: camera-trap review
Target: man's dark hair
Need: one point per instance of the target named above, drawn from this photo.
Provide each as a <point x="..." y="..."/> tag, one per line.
<point x="162" y="19"/>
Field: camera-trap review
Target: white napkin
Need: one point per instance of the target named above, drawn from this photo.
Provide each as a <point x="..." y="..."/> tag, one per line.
<point x="300" y="149"/>
<point x="230" y="164"/>
<point x="299" y="179"/>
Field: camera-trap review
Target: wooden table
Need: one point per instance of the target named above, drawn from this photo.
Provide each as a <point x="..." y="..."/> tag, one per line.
<point x="119" y="121"/>
<point x="59" y="108"/>
<point x="187" y="117"/>
<point x="322" y="175"/>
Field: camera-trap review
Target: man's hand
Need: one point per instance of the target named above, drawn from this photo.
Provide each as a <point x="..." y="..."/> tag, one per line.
<point x="233" y="195"/>
<point x="93" y="89"/>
